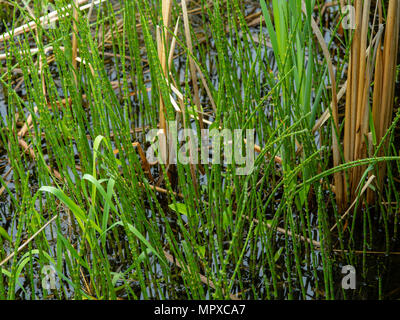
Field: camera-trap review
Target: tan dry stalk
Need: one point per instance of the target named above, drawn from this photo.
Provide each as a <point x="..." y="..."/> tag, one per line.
<point x="338" y="176"/>
<point x="362" y="94"/>
<point x="162" y="40"/>
<point x="355" y="89"/>
<point x="192" y="65"/>
<point x="367" y="65"/>
<point x="385" y="77"/>
<point x="173" y="44"/>
<point x="20" y="248"/>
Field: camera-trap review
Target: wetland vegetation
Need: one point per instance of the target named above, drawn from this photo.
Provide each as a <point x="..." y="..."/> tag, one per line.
<point x="85" y="213"/>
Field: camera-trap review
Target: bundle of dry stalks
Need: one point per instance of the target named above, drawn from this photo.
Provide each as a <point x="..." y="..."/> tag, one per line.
<point x="370" y="88"/>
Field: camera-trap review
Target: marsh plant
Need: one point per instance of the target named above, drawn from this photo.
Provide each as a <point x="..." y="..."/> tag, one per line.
<point x="238" y="149"/>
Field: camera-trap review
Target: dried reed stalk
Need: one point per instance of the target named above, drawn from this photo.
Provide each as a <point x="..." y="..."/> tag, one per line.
<point x="75" y="39"/>
<point x="384" y="87"/>
<point x="192" y="66"/>
<point x="367" y="65"/>
<point x="51" y="17"/>
<point x="338" y="176"/>
<point x="162" y="40"/>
